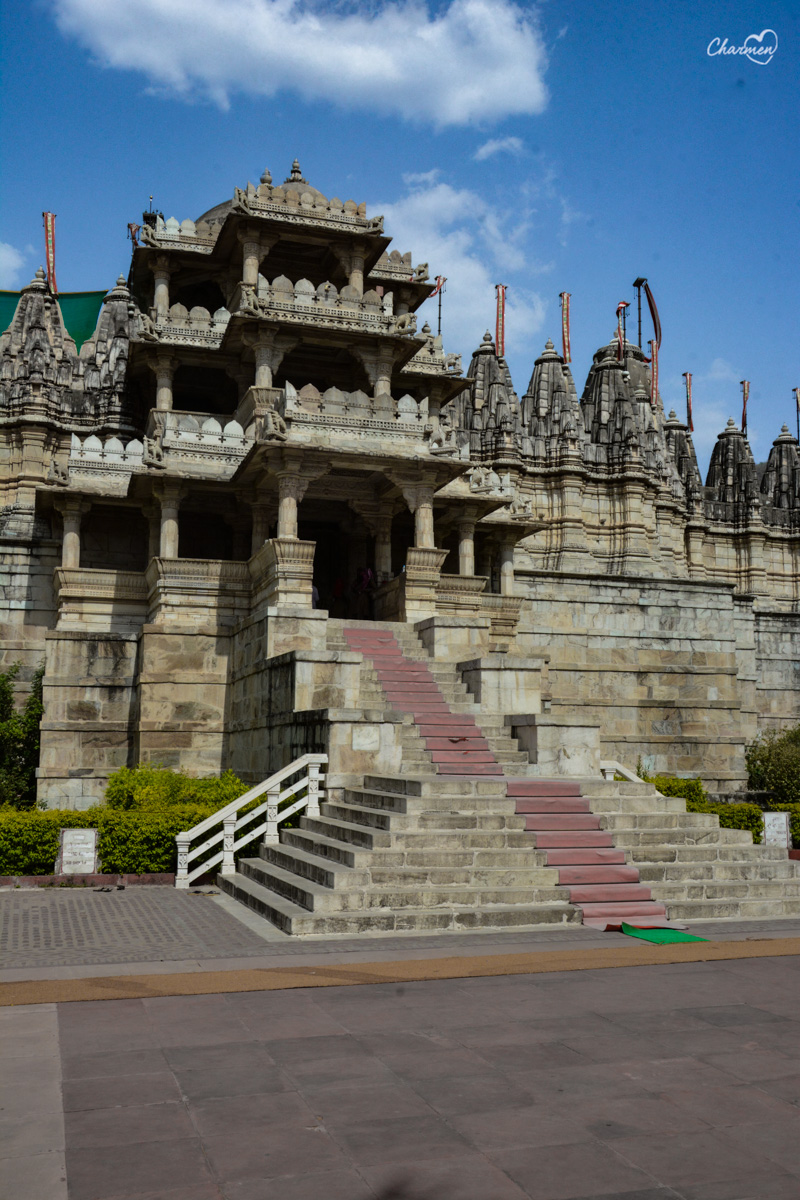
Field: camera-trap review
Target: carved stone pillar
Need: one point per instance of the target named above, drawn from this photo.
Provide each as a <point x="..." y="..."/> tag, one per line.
<point x="164" y="370"/>
<point x="268" y="351"/>
<point x="161" y="273"/>
<point x="291" y="489"/>
<point x="72" y="510"/>
<point x="383" y="548"/>
<point x="169" y="496"/>
<point x="153" y="515"/>
<point x="378" y="363"/>
<point x="262" y="516"/>
<point x="420" y="501"/>
<point x="255" y="247"/>
<point x="466" y="547"/>
<point x="507" y="568"/>
<point x="352" y="259"/>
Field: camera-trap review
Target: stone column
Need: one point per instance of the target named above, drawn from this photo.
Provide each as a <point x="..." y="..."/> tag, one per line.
<point x="268" y="350"/>
<point x="262" y="514"/>
<point x="164" y="370"/>
<point x="170" y="496"/>
<point x="378" y="363"/>
<point x="507" y="568"/>
<point x="466" y="547"/>
<point x="255" y="247"/>
<point x="72" y="510"/>
<point x="291" y="489"/>
<point x="161" y="273"/>
<point x="383" y="548"/>
<point x="153" y="515"/>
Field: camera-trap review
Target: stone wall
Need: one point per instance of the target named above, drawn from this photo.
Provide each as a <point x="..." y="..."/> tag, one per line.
<point x="777" y="668"/>
<point x="666" y="667"/>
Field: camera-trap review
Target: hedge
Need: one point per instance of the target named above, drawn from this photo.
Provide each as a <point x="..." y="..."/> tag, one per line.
<point x="149" y="786"/>
<point x="731" y="816"/>
<point x="132" y="843"/>
<point x="773" y="764"/>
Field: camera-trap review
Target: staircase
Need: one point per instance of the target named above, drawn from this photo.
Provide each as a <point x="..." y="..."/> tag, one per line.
<point x="465" y="839"/>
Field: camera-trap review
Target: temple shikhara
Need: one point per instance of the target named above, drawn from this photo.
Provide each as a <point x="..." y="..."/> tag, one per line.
<point x="263" y="512"/>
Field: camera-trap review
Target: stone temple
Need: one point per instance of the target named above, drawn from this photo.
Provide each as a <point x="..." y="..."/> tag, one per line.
<point x="263" y="474"/>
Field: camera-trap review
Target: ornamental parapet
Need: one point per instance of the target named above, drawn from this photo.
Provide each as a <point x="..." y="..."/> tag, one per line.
<point x="299" y="206"/>
<point x="324" y="307"/>
<point x="197" y="442"/>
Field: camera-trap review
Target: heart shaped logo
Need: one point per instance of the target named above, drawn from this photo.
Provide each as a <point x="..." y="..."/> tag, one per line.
<point x="759" y="48"/>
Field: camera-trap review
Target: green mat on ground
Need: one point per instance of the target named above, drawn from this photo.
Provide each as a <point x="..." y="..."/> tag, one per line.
<point x="660" y="936"/>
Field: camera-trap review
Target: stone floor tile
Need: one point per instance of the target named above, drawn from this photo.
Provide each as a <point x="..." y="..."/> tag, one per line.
<point x="228" y="1115"/>
<point x="406" y="1139"/>
<point x="365" y="1069"/>
<point x="337" y="1184"/>
<point x="538" y="1057"/>
<point x="778" y="1140"/>
<point x="408" y="1041"/>
<point x="754" y="1063"/>
<point x="123" y="1126"/>
<point x="237" y="1080"/>
<point x="526" y="1032"/>
<point x="339" y="1104"/>
<point x="202" y="1191"/>
<point x="732" y="1015"/>
<point x="752" y="1185"/>
<point x="469" y="1177"/>
<point x="437" y="1064"/>
<point x="452" y="1095"/>
<point x="534" y="1125"/>
<point x="31" y="1098"/>
<point x="113" y="1063"/>
<point x="573" y="1083"/>
<point x="692" y="1158"/>
<point x="567" y="1172"/>
<point x="37" y="1175"/>
<point x="732" y="1105"/>
<point x="609" y="1119"/>
<point x="137" y="1169"/>
<point x="21" y="1137"/>
<point x="34" y="1043"/>
<point x="786" y="1088"/>
<point x="119" y="1091"/>
<point x="273" y="1151"/>
<point x="228" y="1054"/>
<point x="668" y="1020"/>
<point x="661" y="1074"/>
<point x="291" y="1051"/>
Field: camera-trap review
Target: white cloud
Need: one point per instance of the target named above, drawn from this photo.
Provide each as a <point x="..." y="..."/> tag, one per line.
<point x="11" y="264"/>
<point x="462" y="237"/>
<point x="506" y="145"/>
<point x="472" y="61"/>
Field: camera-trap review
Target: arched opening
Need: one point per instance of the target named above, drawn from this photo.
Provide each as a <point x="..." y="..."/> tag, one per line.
<point x="324" y="367"/>
<point x="206" y="294"/>
<point x="204" y="390"/>
<point x="302" y="260"/>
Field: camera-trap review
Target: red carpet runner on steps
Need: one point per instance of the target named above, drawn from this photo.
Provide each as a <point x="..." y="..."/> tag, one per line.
<point x="599" y="882"/>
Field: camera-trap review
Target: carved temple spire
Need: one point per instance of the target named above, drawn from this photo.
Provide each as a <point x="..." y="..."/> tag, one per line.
<point x="780" y="485"/>
<point x="490" y="411"/>
<point x="681" y="451"/>
<point x="551" y="414"/>
<point x="732" y="493"/>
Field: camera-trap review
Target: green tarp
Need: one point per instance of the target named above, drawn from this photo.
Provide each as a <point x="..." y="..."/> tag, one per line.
<point x="79" y="310"/>
<point x="660" y="936"/>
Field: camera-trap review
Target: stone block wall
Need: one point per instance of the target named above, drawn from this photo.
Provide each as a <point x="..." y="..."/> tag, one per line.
<point x="777" y="668"/>
<point x="664" y="666"/>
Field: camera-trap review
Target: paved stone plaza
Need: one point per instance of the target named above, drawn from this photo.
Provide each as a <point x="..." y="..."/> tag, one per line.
<point x="672" y="1082"/>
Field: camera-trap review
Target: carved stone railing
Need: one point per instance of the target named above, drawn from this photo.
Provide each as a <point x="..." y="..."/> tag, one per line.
<point x="195" y="327"/>
<point x="503" y="612"/>
<point x="460" y="593"/>
<point x="181" y="588"/>
<point x="86" y="583"/>
<point x="238" y="825"/>
<point x="209" y="442"/>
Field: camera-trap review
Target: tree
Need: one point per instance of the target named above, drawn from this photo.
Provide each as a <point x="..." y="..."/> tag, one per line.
<point x="19" y="741"/>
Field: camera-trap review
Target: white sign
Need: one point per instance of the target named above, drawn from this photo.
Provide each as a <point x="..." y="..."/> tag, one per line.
<point x="776" y="829"/>
<point x="77" y="854"/>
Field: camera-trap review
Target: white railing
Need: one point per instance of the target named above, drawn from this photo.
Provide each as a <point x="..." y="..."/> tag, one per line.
<point x="264" y="819"/>
<point x="609" y="768"/>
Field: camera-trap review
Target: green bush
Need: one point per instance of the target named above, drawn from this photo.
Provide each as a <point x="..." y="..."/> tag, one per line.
<point x="733" y="816"/>
<point x="135" y="843"/>
<point x="669" y="785"/>
<point x="773" y="764"/>
<point x="149" y="786"/>
<point x="19" y="741"/>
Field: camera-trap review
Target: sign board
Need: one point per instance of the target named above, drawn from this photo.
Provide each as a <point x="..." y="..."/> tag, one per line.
<point x="776" y="829"/>
<point x="77" y="852"/>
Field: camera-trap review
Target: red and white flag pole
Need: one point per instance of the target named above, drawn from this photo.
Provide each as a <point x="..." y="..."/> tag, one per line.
<point x="654" y="374"/>
<point x="745" y="397"/>
<point x="500" y="325"/>
<point x="50" y="249"/>
<point x="688" y="377"/>
<point x="564" y="297"/>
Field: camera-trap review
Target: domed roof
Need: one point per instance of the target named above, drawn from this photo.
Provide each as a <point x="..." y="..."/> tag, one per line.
<point x="295" y="179"/>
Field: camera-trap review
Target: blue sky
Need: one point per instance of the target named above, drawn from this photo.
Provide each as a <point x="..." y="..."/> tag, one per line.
<point x="552" y="147"/>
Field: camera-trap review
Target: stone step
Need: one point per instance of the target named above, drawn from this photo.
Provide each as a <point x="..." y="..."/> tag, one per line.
<point x="737" y="908"/>
<point x="434" y="920"/>
<point x="624" y="909"/>
<point x="561" y="822"/>
<point x="551" y="805"/>
<point x="608" y="893"/>
<point x="409" y="786"/>
<point x="314" y="897"/>
<point x="635" y="821"/>
<point x="288" y="917"/>
<point x="325" y="848"/>
<point x="567" y="838"/>
<point x="594" y="857"/>
<point x="607" y="873"/>
<point x="327" y="873"/>
<point x="776" y="889"/>
<point x="393" y="802"/>
<point x="708" y="852"/>
<point x="346" y="831"/>
<point x="718" y="871"/>
<point x="468" y="839"/>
